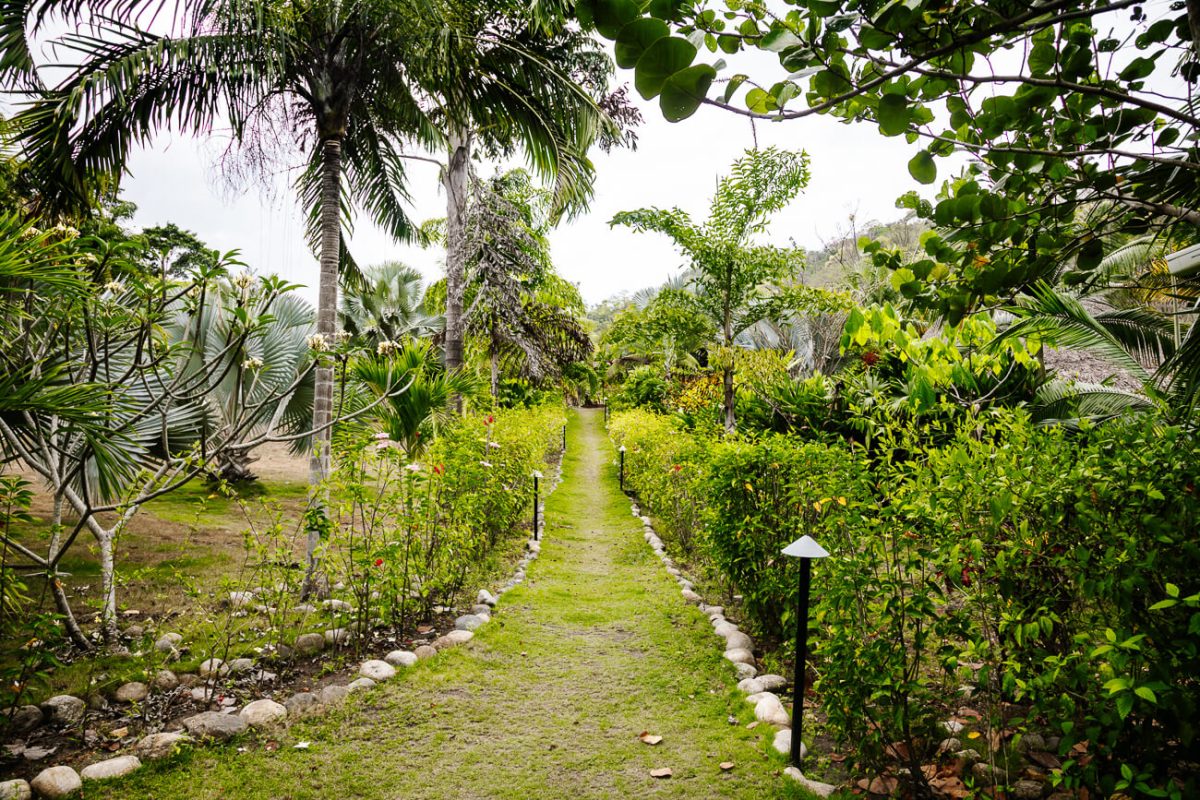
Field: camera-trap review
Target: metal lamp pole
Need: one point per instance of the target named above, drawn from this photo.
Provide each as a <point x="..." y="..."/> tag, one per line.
<point x="806" y="549"/>
<point x="564" y="447"/>
<point x="622" y="451"/>
<point x="536" y="533"/>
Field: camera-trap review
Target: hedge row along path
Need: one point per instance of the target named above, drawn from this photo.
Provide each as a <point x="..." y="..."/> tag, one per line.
<point x="547" y="701"/>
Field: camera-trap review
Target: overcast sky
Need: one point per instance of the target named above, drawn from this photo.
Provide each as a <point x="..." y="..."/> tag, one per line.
<point x="854" y="170"/>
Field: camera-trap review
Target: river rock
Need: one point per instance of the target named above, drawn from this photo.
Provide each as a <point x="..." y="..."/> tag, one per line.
<point x="212" y="668"/>
<point x="337" y="606"/>
<point x="159" y="745"/>
<point x="1026" y="790"/>
<point x="25" y="719"/>
<point x="240" y="665"/>
<point x="168" y="642"/>
<point x="738" y="641"/>
<point x="691" y="597"/>
<point x="165" y="680"/>
<point x="189" y="680"/>
<point x="725" y="628"/>
<point x="55" y="782"/>
<point x="773" y="683"/>
<point x="486" y="598"/>
<point x="301" y="704"/>
<point x="468" y="622"/>
<point x="714" y="611"/>
<point x="783" y="742"/>
<point x="64" y="709"/>
<point x="15" y="790"/>
<point x="377" y="670"/>
<point x="214" y="725"/>
<point x="452" y="639"/>
<point x="401" y="658"/>
<point x="333" y="694"/>
<point x="133" y="692"/>
<point x="1032" y="742"/>
<point x="424" y="651"/>
<point x="359" y="684"/>
<point x="815" y="787"/>
<point x="745" y="671"/>
<point x="308" y="644"/>
<point x="751" y="686"/>
<point x="110" y="768"/>
<point x="740" y="656"/>
<point x="769" y="709"/>
<point x="263" y="713"/>
<point x="338" y="637"/>
<point x="241" y="599"/>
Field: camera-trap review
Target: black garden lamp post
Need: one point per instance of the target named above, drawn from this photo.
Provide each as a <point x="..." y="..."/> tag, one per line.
<point x="622" y="451"/>
<point x="806" y="549"/>
<point x="536" y="534"/>
<point x="564" y="447"/>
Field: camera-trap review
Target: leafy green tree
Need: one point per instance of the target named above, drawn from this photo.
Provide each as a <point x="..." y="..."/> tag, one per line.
<point x="728" y="268"/>
<point x="177" y="252"/>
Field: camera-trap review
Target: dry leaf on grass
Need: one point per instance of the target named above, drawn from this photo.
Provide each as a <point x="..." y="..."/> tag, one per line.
<point x="726" y="765"/>
<point x="649" y="738"/>
<point x="663" y="772"/>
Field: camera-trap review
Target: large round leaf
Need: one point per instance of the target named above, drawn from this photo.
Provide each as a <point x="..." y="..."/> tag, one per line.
<point x="661" y="60"/>
<point x="635" y="37"/>
<point x="683" y="92"/>
<point x="922" y="167"/>
<point x="611" y="16"/>
<point x="893" y="114"/>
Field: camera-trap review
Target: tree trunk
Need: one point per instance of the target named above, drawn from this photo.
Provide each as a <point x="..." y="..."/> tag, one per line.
<point x="456" y="181"/>
<point x="331" y="240"/>
<point x="108" y="588"/>
<point x="56" y="588"/>
<point x="727" y="374"/>
<point x="495" y="374"/>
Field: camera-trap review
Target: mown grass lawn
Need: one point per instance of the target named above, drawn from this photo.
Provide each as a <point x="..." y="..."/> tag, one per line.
<point x="546" y="702"/>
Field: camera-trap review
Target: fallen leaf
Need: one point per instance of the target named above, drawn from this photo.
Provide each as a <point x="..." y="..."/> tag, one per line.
<point x="969" y="712"/>
<point x="271" y="746"/>
<point x="726" y="765"/>
<point x="1045" y="760"/>
<point x="950" y="787"/>
<point x="837" y="758"/>
<point x="649" y="738"/>
<point x="119" y="733"/>
<point x="302" y="745"/>
<point x="973" y="735"/>
<point x="663" y="772"/>
<point x="752" y="725"/>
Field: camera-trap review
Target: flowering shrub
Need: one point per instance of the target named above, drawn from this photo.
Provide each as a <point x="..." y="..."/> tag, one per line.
<point x="405" y="535"/>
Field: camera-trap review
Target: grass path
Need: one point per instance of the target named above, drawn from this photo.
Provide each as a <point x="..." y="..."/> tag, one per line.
<point x="546" y="702"/>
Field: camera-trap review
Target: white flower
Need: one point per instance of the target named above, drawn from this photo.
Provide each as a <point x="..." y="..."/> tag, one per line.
<point x="252" y="363"/>
<point x="243" y="280"/>
<point x="115" y="287"/>
<point x="494" y="445"/>
<point x="386" y="348"/>
<point x="341" y="337"/>
<point x="381" y="435"/>
<point x="317" y="342"/>
<point x="485" y="464"/>
<point x="413" y="467"/>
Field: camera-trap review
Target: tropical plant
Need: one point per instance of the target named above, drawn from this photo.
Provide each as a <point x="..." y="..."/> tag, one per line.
<point x="305" y="72"/>
<point x="387" y="305"/>
<point x="507" y="77"/>
<point x="728" y="267"/>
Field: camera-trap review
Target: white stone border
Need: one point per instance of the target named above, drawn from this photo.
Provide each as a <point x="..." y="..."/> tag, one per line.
<point x="738" y="648"/>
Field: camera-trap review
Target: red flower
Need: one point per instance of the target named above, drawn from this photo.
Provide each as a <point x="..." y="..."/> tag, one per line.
<point x="678" y="468"/>
<point x="870" y="359"/>
<point x="439" y="469"/>
<point x="379" y="562"/>
<point x="490" y="420"/>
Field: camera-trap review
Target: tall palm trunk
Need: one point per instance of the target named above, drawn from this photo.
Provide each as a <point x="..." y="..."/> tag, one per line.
<point x="331" y="239"/>
<point x="457" y="184"/>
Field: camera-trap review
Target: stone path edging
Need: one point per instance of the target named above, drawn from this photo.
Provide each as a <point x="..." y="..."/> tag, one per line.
<point x="760" y="690"/>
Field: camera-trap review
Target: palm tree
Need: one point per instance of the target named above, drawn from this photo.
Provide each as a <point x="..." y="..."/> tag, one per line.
<point x="388" y="305"/>
<point x="329" y="76"/>
<point x="504" y="77"/>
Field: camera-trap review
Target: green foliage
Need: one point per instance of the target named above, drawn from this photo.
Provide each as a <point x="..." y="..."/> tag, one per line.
<point x="405" y="534"/>
<point x="643" y="388"/>
<point x="1054" y="574"/>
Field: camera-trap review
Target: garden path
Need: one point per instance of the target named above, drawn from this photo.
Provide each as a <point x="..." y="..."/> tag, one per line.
<point x="547" y="701"/>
